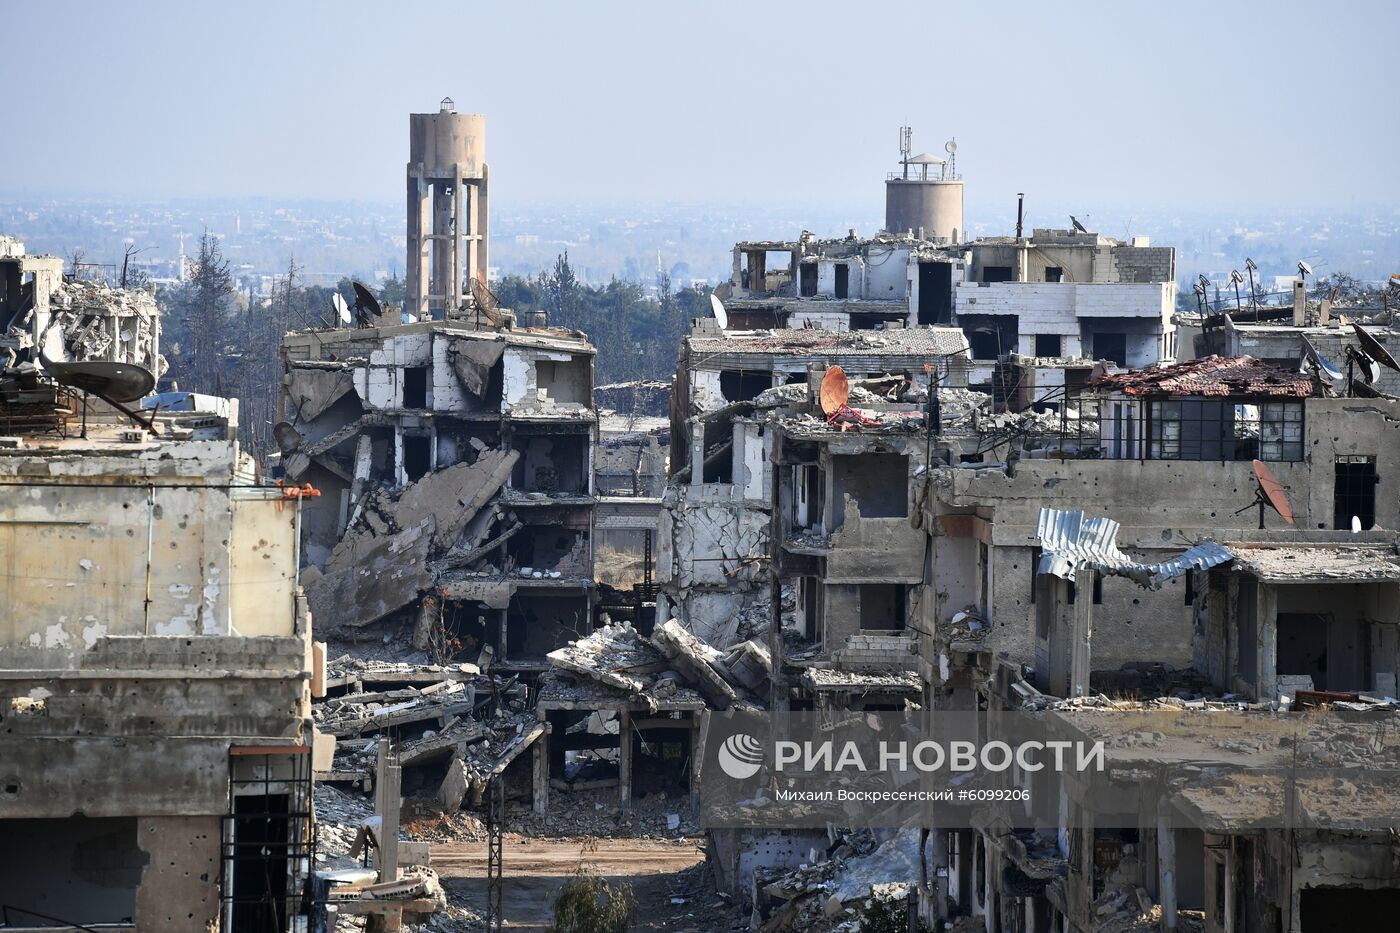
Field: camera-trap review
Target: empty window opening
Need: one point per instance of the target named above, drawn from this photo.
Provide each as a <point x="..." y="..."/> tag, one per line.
<point x="1054" y="274"/>
<point x="552" y="463"/>
<point x="538" y="624"/>
<point x="415" y="387"/>
<point x="77" y="869"/>
<point x="809" y="279"/>
<point x="877" y="484"/>
<point x="260" y="836"/>
<point x="549" y="549"/>
<point x="882" y="606"/>
<point x="935" y="293"/>
<point x="843" y="280"/>
<point x="563" y="382"/>
<point x="1112" y="347"/>
<point x="744" y="385"/>
<point x="998" y="274"/>
<point x="584" y="746"/>
<point x="1048" y="345"/>
<point x="1302" y="646"/>
<point x="991" y="336"/>
<point x="463" y="629"/>
<point x="660" y="759"/>
<point x="1341" y="910"/>
<point x="417" y="456"/>
<point x="1355" y="492"/>
<point x="985" y="345"/>
<point x="811" y="609"/>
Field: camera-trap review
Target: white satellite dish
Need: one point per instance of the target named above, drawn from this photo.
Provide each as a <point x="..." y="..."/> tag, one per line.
<point x="721" y="315"/>
<point x="1304" y="269"/>
<point x="342" y="308"/>
<point x="950" y="147"/>
<point x="1324" y="365"/>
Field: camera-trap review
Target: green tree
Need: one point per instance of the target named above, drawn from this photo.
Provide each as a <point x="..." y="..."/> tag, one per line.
<point x="589" y="904"/>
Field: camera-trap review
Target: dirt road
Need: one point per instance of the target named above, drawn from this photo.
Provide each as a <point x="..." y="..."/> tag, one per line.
<point x="535" y="868"/>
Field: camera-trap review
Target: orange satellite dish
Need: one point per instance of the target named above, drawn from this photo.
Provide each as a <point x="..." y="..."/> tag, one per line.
<point x="835" y="390"/>
<point x="1271" y="493"/>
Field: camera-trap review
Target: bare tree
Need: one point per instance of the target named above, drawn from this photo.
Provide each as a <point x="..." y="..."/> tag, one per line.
<point x="208" y="297"/>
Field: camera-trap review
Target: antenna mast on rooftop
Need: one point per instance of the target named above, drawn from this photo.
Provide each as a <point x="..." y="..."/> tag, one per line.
<point x="906" y="147"/>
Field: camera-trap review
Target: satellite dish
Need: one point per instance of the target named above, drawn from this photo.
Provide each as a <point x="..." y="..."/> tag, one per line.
<point x="1361" y="389"/>
<point x="1249" y="264"/>
<point x="288" y="438"/>
<point x="1324" y="365"/>
<point x="1374" y="348"/>
<point x="114" y="382"/>
<point x="721" y="315"/>
<point x="950" y="147"/>
<point x="1370" y="369"/>
<point x="1235" y="277"/>
<point x="1304" y="269"/>
<point x="367" y="306"/>
<point x="835" y="390"/>
<point x="1270" y="492"/>
<point x="342" y="308"/>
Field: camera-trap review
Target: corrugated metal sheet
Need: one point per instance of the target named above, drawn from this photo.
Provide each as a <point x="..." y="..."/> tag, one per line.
<point x="1072" y="542"/>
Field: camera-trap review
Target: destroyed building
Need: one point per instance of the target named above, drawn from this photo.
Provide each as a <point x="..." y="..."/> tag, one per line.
<point x="1299" y="612"/>
<point x="732" y="389"/>
<point x="156" y="746"/>
<point x="456" y="469"/>
<point x="42" y="313"/>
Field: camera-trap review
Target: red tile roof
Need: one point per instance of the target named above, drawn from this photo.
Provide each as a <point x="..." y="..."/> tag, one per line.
<point x="1213" y="375"/>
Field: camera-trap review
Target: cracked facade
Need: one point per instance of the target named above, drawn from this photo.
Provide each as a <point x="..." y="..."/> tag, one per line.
<point x="155" y="674"/>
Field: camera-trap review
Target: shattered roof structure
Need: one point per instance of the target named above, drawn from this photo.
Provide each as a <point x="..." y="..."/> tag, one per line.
<point x="1318" y="564"/>
<point x="1073" y="542"/>
<point x="823" y="678"/>
<point x="921" y="342"/>
<point x="1211" y="376"/>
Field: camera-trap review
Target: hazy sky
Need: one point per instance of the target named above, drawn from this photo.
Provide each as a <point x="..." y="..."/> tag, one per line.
<point x="1106" y="104"/>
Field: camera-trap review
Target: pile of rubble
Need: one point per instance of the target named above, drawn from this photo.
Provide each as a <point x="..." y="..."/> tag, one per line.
<point x="837" y="889"/>
<point x="654" y="672"/>
<point x="397" y="546"/>
<point x="445" y="719"/>
<point x="345" y="827"/>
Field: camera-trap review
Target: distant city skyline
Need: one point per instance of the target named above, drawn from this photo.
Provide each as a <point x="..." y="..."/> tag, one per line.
<point x="1105" y="107"/>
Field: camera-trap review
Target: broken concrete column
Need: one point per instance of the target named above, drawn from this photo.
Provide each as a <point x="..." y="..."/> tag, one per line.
<point x="1266" y="627"/>
<point x="453" y="789"/>
<point x="387" y="801"/>
<point x="1166" y="865"/>
<point x="624" y="759"/>
<point x="541" y="775"/>
<point x="1082" y="619"/>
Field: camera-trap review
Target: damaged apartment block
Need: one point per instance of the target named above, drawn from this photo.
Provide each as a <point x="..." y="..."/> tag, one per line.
<point x="156" y="668"/>
<point x="759" y="459"/>
<point x="456" y="469"/>
<point x="1230" y="637"/>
